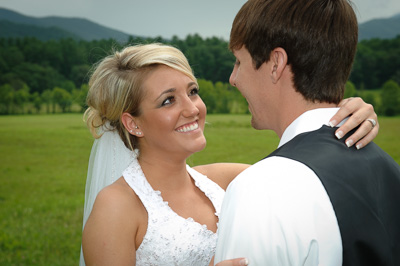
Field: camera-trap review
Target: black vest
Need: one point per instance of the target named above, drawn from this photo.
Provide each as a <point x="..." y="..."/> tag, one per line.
<point x="364" y="188"/>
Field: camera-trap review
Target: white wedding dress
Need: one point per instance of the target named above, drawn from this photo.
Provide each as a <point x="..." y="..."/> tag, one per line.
<point x="171" y="239"/>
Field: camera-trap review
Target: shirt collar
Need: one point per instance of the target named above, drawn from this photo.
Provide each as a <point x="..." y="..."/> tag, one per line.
<point x="308" y="121"/>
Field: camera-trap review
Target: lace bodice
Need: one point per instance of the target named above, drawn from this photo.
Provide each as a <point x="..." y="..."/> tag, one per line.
<point x="171" y="239"/>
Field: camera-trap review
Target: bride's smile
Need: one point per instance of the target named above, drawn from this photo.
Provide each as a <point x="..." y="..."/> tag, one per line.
<point x="188" y="127"/>
<point x="172" y="113"/>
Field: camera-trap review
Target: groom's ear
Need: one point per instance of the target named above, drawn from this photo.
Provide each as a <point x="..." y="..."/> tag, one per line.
<point x="279" y="61"/>
<point x="131" y="125"/>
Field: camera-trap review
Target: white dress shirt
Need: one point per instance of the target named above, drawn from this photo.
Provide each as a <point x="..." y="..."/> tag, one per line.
<point x="277" y="211"/>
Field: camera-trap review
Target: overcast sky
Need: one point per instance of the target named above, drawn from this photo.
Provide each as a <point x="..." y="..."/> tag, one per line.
<point x="168" y="17"/>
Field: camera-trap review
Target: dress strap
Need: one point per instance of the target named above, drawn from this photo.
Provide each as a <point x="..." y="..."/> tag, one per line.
<point x="136" y="179"/>
<point x="211" y="189"/>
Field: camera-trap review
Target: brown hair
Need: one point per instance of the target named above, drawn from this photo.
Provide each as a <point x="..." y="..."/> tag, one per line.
<point x="319" y="37"/>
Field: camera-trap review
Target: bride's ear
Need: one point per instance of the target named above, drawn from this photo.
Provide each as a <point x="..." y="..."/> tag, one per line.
<point x="130" y="125"/>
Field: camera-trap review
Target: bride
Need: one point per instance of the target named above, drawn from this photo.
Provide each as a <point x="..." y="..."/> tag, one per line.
<point x="144" y="205"/>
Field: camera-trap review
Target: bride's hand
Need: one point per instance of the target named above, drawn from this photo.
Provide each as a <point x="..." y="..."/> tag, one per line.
<point x="360" y="114"/>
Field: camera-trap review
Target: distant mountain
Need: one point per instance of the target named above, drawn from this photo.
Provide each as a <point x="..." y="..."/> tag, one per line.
<point x="13" y="24"/>
<point x="384" y="28"/>
<point x="13" y="30"/>
<point x="55" y="27"/>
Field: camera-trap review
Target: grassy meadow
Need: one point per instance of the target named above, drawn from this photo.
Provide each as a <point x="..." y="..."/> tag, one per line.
<point x="43" y="172"/>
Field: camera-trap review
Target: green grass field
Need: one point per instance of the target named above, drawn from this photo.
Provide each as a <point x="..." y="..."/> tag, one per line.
<point x="43" y="171"/>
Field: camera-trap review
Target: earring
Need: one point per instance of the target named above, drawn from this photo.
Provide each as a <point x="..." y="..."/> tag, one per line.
<point x="138" y="132"/>
<point x="131" y="131"/>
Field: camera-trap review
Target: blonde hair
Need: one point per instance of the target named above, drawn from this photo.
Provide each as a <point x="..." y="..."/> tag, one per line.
<point x="115" y="86"/>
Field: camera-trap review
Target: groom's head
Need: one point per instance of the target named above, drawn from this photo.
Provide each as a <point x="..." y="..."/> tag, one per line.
<point x="319" y="38"/>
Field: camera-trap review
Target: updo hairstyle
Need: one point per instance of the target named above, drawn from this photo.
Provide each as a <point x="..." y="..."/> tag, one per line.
<point x="116" y="86"/>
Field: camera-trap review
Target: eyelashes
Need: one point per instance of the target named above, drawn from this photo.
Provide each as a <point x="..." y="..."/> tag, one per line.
<point x="168" y="101"/>
<point x="171" y="99"/>
<point x="194" y="91"/>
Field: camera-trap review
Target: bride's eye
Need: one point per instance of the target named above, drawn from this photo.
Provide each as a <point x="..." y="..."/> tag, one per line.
<point x="168" y="101"/>
<point x="194" y="91"/>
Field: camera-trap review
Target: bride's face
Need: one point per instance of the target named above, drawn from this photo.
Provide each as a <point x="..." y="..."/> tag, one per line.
<point x="172" y="113"/>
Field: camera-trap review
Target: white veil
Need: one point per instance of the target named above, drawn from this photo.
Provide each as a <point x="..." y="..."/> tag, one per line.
<point x="108" y="159"/>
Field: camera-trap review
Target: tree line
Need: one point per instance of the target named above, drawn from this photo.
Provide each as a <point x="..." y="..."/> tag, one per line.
<point x="51" y="76"/>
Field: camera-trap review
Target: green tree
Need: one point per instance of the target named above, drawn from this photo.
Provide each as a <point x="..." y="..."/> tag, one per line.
<point x="22" y="97"/>
<point x="371" y="98"/>
<point x="37" y="101"/>
<point x="72" y="54"/>
<point x="201" y="60"/>
<point x="4" y="68"/>
<point x="33" y="50"/>
<point x="207" y="94"/>
<point x="63" y="98"/>
<point x="376" y="62"/>
<point x="6" y="99"/>
<point x="68" y="85"/>
<point x="237" y="104"/>
<point x="80" y="74"/>
<point x="396" y="76"/>
<point x="47" y="98"/>
<point x="12" y="56"/>
<point x="37" y="77"/>
<point x="350" y="90"/>
<point x="79" y="96"/>
<point x="391" y="98"/>
<point x="223" y="97"/>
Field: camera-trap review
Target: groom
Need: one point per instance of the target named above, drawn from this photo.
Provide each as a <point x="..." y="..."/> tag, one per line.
<point x="313" y="201"/>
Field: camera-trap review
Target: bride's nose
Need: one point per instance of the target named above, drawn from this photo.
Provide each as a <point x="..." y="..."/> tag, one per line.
<point x="189" y="108"/>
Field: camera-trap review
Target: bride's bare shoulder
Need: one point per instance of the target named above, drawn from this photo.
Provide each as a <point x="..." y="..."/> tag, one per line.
<point x="117" y="197"/>
<point x="116" y="218"/>
<point x="117" y="204"/>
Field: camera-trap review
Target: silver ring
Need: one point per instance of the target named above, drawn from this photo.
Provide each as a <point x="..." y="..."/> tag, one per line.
<point x="372" y="121"/>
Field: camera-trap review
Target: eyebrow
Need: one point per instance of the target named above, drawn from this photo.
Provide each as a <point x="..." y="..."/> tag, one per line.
<point x="166" y="92"/>
<point x="173" y="89"/>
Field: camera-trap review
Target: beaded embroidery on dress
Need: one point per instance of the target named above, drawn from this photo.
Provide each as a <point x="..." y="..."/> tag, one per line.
<point x="171" y="239"/>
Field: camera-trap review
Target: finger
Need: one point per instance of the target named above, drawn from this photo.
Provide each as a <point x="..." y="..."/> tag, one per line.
<point x="351" y="123"/>
<point x="348" y="107"/>
<point x="358" y="118"/>
<point x="368" y="138"/>
<point x="212" y="261"/>
<point x="344" y="101"/>
<point x="365" y="133"/>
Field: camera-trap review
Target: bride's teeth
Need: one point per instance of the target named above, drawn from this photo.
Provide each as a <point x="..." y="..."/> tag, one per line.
<point x="189" y="128"/>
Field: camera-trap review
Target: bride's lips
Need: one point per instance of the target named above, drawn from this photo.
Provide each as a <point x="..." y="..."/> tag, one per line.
<point x="188" y="127"/>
